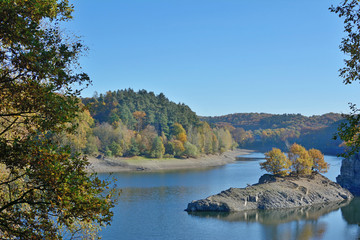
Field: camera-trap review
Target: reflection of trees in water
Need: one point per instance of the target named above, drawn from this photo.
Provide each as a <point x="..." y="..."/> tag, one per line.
<point x="295" y="223"/>
<point x="351" y="213"/>
<point x="312" y="229"/>
<point x="274" y="217"/>
<point x="152" y="193"/>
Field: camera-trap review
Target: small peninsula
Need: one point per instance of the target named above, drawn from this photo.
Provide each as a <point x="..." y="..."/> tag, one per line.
<point x="272" y="192"/>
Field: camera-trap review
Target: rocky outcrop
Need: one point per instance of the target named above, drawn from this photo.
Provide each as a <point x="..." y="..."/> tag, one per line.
<point x="275" y="193"/>
<point x="349" y="177"/>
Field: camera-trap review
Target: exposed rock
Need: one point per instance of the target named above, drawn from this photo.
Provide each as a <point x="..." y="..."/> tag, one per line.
<point x="349" y="177"/>
<point x="275" y="193"/>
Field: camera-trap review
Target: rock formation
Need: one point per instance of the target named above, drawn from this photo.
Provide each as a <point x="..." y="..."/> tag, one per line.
<point x="275" y="193"/>
<point x="349" y="177"/>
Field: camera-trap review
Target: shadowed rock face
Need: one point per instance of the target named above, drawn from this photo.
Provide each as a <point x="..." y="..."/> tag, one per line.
<point x="274" y="193"/>
<point x="349" y="177"/>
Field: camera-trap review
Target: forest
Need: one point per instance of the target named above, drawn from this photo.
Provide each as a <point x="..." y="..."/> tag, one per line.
<point x="125" y="123"/>
<point x="262" y="131"/>
<point x="128" y="123"/>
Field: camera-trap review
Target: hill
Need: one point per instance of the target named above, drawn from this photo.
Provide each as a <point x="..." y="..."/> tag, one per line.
<point x="159" y="111"/>
<point x="263" y="130"/>
<point x="128" y="123"/>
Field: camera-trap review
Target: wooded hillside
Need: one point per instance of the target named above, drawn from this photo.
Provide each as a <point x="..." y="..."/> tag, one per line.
<point x="129" y="123"/>
<point x="264" y="131"/>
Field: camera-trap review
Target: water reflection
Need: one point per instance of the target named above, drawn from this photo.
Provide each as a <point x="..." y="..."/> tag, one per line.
<point x="274" y="217"/>
<point x="296" y="223"/>
<point x="251" y="157"/>
<point x="351" y="212"/>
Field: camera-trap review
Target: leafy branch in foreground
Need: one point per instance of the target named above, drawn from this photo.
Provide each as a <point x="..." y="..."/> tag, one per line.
<point x="45" y="192"/>
<point x="349" y="10"/>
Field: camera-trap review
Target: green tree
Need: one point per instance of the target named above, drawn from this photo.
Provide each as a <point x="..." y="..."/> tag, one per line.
<point x="133" y="148"/>
<point x="45" y="189"/>
<point x="158" y="149"/>
<point x="170" y="149"/>
<point x="116" y="149"/>
<point x="276" y="162"/>
<point x="349" y="10"/>
<point x="190" y="150"/>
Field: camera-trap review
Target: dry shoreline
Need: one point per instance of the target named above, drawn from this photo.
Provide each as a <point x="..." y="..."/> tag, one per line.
<point x="108" y="165"/>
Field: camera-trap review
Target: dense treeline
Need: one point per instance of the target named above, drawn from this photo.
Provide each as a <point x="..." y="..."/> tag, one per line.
<point x="263" y="131"/>
<point x="129" y="123"/>
<point x="159" y="111"/>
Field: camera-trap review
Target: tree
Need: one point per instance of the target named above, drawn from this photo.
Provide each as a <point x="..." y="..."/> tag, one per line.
<point x="191" y="150"/>
<point x="301" y="162"/>
<point x="276" y="162"/>
<point x="178" y="148"/>
<point x="319" y="164"/>
<point x="45" y="191"/>
<point x="133" y="148"/>
<point x="179" y="132"/>
<point x="82" y="123"/>
<point x="139" y="116"/>
<point x="350" y="45"/>
<point x="158" y="149"/>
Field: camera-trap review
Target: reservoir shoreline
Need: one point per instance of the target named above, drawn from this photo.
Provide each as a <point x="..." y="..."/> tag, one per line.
<point x="112" y="165"/>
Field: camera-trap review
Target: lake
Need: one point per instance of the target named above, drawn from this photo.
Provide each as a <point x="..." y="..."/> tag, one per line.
<point x="152" y="206"/>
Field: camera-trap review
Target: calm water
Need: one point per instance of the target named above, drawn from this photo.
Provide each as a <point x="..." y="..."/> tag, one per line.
<point x="152" y="207"/>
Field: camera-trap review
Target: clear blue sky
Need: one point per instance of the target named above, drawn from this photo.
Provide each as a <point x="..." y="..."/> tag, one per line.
<point x="218" y="56"/>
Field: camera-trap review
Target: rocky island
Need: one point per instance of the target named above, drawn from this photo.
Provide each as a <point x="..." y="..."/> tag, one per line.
<point x="273" y="192"/>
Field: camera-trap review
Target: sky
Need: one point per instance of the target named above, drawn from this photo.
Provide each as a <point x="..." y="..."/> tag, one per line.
<point x="218" y="56"/>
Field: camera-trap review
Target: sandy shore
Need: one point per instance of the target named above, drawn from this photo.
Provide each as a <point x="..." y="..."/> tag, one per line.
<point x="109" y="165"/>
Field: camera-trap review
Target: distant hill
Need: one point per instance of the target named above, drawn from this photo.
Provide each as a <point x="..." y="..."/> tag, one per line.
<point x="264" y="131"/>
<point x="253" y="121"/>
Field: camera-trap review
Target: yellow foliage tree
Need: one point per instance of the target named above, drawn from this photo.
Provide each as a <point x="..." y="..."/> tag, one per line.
<point x="178" y="148"/>
<point x="179" y="132"/>
<point x="319" y="164"/>
<point x="300" y="159"/>
<point x="276" y="162"/>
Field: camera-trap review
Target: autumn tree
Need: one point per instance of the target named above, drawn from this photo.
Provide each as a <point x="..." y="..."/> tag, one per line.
<point x="179" y="132"/>
<point x="319" y="164"/>
<point x="139" y="116"/>
<point x="45" y="191"/>
<point x="77" y="139"/>
<point x="301" y="162"/>
<point x="276" y="162"/>
<point x="178" y="148"/>
<point x="349" y="10"/>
